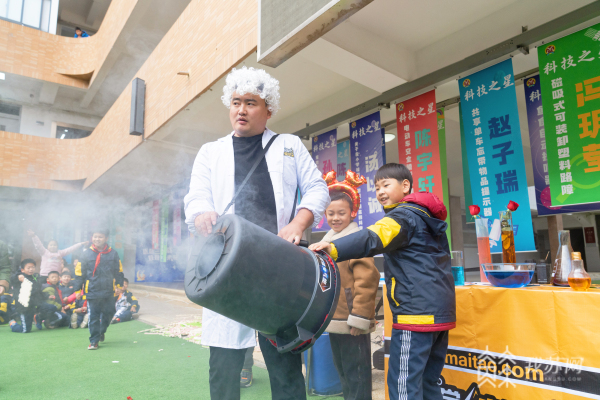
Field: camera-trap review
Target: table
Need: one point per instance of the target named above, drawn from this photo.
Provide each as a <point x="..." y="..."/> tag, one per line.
<point x="537" y="342"/>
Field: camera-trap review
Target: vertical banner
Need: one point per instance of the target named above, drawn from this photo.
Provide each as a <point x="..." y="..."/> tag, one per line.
<point x="495" y="150"/>
<point x="539" y="154"/>
<point x="570" y="84"/>
<point x="324" y="152"/>
<point x="366" y="151"/>
<point x="441" y="129"/>
<point x="418" y="143"/>
<point x="177" y="203"/>
<point x="465" y="167"/>
<point x="116" y="235"/>
<point x="164" y="228"/>
<point x="343" y="158"/>
<point x="155" y="224"/>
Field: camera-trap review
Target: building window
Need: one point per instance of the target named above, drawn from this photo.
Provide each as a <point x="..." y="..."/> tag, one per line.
<point x="10" y="117"/>
<point x="65" y="132"/>
<point x="31" y="13"/>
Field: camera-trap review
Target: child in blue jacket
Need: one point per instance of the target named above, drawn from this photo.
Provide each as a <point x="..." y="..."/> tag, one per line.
<point x="418" y="275"/>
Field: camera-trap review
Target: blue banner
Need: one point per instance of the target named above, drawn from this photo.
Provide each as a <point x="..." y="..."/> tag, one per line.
<point x="367" y="149"/>
<point x="343" y="158"/>
<point x="495" y="151"/>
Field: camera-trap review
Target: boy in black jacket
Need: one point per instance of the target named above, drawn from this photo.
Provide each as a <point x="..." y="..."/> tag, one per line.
<point x="27" y="295"/>
<point x="418" y="277"/>
<point x="52" y="310"/>
<point x="97" y="272"/>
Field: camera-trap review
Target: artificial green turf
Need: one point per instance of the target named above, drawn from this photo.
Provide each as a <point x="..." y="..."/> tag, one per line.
<point x="56" y="364"/>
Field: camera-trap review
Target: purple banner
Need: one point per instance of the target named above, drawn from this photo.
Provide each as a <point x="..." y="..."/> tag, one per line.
<point x="367" y="150"/>
<point x="539" y="157"/>
<point x="324" y="152"/>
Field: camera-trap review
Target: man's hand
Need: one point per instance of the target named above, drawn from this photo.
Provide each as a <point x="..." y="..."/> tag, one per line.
<point x="321" y="246"/>
<point x="204" y="222"/>
<point x="21" y="278"/>
<point x="292" y="232"/>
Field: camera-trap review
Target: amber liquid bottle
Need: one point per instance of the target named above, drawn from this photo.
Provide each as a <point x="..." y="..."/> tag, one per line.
<point x="562" y="262"/>
<point x="579" y="279"/>
<point x="508" y="237"/>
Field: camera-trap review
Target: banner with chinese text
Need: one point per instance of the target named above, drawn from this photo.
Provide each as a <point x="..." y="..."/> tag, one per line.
<point x="343" y="158"/>
<point x="366" y="150"/>
<point x="164" y="227"/>
<point x="177" y="204"/>
<point x="495" y="151"/>
<point x="418" y="143"/>
<point x="156" y="224"/>
<point x="156" y="264"/>
<point x="441" y="128"/>
<point x="539" y="155"/>
<point x="570" y="85"/>
<point x="324" y="152"/>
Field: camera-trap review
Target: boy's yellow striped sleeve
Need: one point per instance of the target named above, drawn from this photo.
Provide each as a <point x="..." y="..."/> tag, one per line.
<point x="386" y="229"/>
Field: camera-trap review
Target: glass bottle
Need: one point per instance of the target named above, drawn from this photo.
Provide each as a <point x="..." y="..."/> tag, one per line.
<point x="483" y="245"/>
<point x="562" y="262"/>
<point x="508" y="237"/>
<point x="578" y="278"/>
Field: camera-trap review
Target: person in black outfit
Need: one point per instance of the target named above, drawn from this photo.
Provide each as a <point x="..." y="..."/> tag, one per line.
<point x="98" y="270"/>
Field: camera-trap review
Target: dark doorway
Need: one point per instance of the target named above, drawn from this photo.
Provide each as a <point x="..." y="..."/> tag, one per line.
<point x="578" y="243"/>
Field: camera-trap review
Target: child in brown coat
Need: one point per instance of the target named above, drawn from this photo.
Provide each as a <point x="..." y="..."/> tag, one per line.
<point x="353" y="321"/>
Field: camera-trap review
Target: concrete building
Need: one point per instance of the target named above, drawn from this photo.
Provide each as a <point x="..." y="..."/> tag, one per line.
<point x="336" y="61"/>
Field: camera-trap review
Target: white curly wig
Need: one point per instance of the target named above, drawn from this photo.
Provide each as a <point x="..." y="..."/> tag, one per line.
<point x="254" y="81"/>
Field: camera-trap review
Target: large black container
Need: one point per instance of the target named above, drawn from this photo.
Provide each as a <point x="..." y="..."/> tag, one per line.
<point x="286" y="292"/>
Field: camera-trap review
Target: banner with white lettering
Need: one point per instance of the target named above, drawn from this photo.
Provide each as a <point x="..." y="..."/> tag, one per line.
<point x="367" y="149"/>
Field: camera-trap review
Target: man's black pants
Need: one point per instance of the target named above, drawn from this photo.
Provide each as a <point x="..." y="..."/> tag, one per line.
<point x="285" y="372"/>
<point x="224" y="373"/>
<point x="352" y="359"/>
<point x="101" y="313"/>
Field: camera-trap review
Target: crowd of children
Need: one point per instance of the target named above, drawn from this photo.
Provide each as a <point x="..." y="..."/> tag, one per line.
<point x="95" y="298"/>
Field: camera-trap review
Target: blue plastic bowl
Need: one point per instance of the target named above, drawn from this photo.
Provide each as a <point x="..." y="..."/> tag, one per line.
<point x="509" y="275"/>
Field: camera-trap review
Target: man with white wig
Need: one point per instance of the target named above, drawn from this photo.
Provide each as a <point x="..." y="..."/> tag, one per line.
<point x="267" y="200"/>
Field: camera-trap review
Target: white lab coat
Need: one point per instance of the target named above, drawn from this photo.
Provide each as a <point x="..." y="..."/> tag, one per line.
<point x="212" y="187"/>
